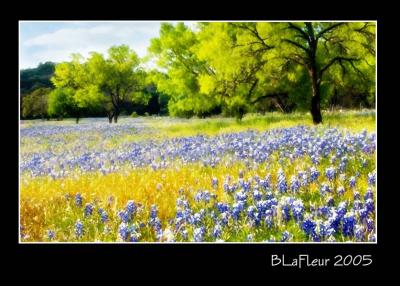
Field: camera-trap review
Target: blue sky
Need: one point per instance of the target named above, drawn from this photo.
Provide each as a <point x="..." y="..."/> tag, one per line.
<point x="55" y="41"/>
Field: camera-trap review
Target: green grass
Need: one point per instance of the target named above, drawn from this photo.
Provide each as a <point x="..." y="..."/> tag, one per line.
<point x="350" y="120"/>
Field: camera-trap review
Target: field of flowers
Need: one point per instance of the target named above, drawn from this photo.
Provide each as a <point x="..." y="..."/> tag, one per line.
<point x="272" y="178"/>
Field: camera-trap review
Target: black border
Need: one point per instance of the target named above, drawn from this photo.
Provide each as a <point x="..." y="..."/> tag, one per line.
<point x="254" y="258"/>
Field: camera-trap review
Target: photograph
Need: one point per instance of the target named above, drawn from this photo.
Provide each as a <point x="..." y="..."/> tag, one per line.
<point x="197" y="132"/>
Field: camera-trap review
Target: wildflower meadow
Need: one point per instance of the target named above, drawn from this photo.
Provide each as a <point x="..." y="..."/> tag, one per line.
<point x="267" y="178"/>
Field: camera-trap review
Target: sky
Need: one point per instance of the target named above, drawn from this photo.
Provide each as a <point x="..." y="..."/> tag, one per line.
<point x="56" y="41"/>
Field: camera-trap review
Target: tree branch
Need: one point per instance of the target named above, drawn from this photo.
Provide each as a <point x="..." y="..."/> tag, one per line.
<point x="299" y="30"/>
<point x="329" y="29"/>
<point x="334" y="60"/>
<point x="297" y="45"/>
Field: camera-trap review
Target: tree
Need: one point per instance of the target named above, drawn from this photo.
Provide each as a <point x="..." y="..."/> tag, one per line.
<point x="174" y="50"/>
<point x="60" y="102"/>
<point x="318" y="47"/>
<point x="118" y="77"/>
<point x="35" y="103"/>
<point x="77" y="91"/>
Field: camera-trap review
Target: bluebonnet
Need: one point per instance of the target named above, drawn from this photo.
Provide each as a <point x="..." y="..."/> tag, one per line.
<point x="341" y="209"/>
<point x="153" y="212"/>
<point x="369" y="205"/>
<point x="295" y="184"/>
<point x="78" y="229"/>
<point x="103" y="215"/>
<point x="330" y="173"/>
<point x="88" y="209"/>
<point x="368" y="194"/>
<point x="314" y="174"/>
<point x="222" y="207"/>
<point x="359" y="233"/>
<point x="198" y="234"/>
<point x="285" y="236"/>
<point x="298" y="210"/>
<point x="352" y="182"/>
<point x="269" y="219"/>
<point x="236" y="210"/>
<point x="78" y="200"/>
<point x="371" y="237"/>
<point x="155" y="223"/>
<point x="308" y="226"/>
<point x="286" y="212"/>
<point x="329" y="201"/>
<point x="224" y="218"/>
<point x="281" y="185"/>
<point x="130" y="208"/>
<point x="324" y="188"/>
<point x="363" y="213"/>
<point x="349" y="222"/>
<point x="240" y="196"/>
<point x="184" y="234"/>
<point x="217" y="231"/>
<point x="303" y="177"/>
<point x="257" y="195"/>
<point x="370" y="225"/>
<point x="123" y="231"/>
<point x="357" y="205"/>
<point x="323" y="211"/>
<point x="372" y="179"/>
<point x="340" y="190"/>
<point x="214" y="183"/>
<point x="51" y="234"/>
<point x="124" y="216"/>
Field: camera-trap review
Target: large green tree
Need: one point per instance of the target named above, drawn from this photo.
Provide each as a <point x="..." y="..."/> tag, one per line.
<point x="175" y="51"/>
<point x="119" y="77"/>
<point x="318" y="47"/>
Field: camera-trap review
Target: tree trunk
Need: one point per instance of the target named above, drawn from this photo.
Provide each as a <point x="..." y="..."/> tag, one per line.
<point x="116" y="113"/>
<point x="316" y="98"/>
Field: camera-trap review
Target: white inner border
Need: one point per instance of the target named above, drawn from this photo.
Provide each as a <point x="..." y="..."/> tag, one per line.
<point x="163" y="21"/>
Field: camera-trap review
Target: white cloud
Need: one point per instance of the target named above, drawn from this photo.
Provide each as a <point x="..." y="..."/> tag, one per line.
<point x="59" y="45"/>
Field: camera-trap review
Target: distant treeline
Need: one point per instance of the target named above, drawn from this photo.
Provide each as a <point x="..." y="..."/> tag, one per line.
<point x="219" y="68"/>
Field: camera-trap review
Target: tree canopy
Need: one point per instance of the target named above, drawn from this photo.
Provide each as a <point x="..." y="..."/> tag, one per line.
<point x="219" y="67"/>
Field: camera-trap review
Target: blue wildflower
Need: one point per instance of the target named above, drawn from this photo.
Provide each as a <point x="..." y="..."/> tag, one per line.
<point x="352" y="182"/>
<point x="123" y="215"/>
<point x="88" y="209"/>
<point x="50" y="234"/>
<point x="214" y="183"/>
<point x="370" y="206"/>
<point x="372" y="179"/>
<point x="308" y="226"/>
<point x="349" y="222"/>
<point x="153" y="212"/>
<point x="131" y="208"/>
<point x="340" y="191"/>
<point x="314" y="174"/>
<point x="285" y="236"/>
<point x="123" y="231"/>
<point x="282" y="185"/>
<point x="78" y="229"/>
<point x="217" y="231"/>
<point x="295" y="184"/>
<point x="78" y="200"/>
<point x="330" y="173"/>
<point x="198" y="234"/>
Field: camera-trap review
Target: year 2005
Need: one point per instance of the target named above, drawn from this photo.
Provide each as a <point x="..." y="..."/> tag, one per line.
<point x="349" y="260"/>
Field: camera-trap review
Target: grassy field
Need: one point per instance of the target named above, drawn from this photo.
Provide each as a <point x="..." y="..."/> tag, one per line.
<point x="163" y="179"/>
